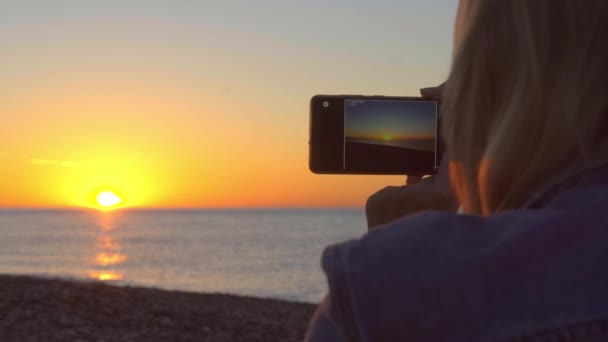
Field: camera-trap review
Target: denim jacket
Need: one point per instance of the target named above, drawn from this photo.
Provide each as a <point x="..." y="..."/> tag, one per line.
<point x="539" y="273"/>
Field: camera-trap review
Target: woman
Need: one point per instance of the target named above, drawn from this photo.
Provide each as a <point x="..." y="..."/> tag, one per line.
<point x="525" y="113"/>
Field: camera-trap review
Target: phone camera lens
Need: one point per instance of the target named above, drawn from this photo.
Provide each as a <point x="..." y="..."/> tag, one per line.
<point x="326" y="104"/>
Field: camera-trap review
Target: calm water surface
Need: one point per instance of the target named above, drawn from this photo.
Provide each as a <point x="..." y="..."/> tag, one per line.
<point x="264" y="253"/>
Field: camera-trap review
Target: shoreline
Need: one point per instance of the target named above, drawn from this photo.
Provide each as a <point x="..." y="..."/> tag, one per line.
<point x="51" y="309"/>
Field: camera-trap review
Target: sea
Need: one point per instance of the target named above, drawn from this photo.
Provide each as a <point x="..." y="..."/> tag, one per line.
<point x="267" y="253"/>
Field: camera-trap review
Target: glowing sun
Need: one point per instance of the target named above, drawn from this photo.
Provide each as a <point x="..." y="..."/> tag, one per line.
<point x="108" y="199"/>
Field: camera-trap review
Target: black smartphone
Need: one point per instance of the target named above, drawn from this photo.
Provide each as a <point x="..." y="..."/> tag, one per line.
<point x="374" y="135"/>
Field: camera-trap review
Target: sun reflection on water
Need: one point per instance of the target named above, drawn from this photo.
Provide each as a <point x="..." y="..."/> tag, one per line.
<point x="108" y="251"/>
<point x="107" y="242"/>
<point x="105" y="275"/>
<point x="107" y="259"/>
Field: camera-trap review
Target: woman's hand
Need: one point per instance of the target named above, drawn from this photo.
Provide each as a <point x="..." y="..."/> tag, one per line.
<point x="432" y="193"/>
<point x="394" y="202"/>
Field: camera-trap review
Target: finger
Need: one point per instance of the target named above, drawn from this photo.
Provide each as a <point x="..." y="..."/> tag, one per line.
<point x="387" y="191"/>
<point x="413" y="179"/>
<point x="433" y="93"/>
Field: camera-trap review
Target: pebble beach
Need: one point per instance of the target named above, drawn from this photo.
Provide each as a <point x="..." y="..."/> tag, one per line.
<point x="39" y="309"/>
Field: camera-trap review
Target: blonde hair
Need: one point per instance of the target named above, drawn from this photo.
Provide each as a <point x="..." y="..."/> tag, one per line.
<point x="527" y="96"/>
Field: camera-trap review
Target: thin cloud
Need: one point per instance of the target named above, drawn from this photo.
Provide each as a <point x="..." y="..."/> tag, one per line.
<point x="55" y="162"/>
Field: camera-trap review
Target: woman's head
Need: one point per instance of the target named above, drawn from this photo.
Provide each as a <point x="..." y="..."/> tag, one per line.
<point x="526" y="96"/>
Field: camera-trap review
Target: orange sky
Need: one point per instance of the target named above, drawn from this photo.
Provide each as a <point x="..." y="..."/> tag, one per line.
<point x="170" y="110"/>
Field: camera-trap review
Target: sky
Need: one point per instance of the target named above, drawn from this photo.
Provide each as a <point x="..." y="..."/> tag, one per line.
<point x="197" y="103"/>
<point x="390" y="120"/>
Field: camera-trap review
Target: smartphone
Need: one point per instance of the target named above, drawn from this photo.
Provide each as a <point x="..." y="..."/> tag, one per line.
<point x="374" y="135"/>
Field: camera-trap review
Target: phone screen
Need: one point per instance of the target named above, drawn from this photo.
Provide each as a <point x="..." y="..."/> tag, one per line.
<point x="369" y="135"/>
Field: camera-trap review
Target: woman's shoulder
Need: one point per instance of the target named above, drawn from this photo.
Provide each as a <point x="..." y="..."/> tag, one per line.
<point x="441" y="234"/>
<point x="439" y="269"/>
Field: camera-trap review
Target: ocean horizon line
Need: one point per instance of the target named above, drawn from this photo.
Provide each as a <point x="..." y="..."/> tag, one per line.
<point x="264" y="208"/>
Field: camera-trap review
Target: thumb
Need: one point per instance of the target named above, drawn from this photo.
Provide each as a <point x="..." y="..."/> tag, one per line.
<point x="432" y="93"/>
<point x="413" y="179"/>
